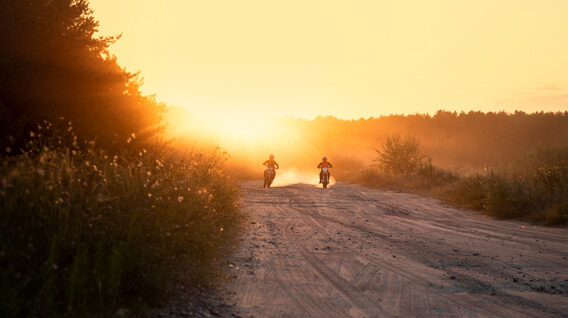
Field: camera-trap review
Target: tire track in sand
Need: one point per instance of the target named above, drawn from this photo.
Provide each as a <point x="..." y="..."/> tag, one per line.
<point x="351" y="251"/>
<point x="403" y="284"/>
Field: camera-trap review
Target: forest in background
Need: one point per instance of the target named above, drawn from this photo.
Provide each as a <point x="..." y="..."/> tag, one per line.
<point x="469" y="141"/>
<point x="466" y="142"/>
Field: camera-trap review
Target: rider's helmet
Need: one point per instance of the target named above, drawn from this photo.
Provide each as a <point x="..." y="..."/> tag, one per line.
<point x="324" y="158"/>
<point x="271" y="156"/>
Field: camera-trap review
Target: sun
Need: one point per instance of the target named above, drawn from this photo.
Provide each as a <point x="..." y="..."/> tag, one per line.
<point x="243" y="127"/>
<point x="225" y="128"/>
<point x="236" y="128"/>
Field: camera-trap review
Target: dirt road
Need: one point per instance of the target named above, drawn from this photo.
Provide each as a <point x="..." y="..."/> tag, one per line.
<point x="349" y="251"/>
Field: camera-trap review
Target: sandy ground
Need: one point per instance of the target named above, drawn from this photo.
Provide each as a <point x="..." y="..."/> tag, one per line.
<point x="350" y="251"/>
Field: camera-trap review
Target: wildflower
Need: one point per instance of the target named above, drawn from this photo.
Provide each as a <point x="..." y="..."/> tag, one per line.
<point x="87" y="163"/>
<point x="149" y="195"/>
<point x="180" y="199"/>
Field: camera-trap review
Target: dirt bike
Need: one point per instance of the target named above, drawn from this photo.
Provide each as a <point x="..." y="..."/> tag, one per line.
<point x="268" y="177"/>
<point x="324" y="177"/>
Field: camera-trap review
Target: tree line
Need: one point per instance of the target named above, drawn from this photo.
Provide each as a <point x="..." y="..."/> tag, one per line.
<point x="472" y="140"/>
<point x="53" y="64"/>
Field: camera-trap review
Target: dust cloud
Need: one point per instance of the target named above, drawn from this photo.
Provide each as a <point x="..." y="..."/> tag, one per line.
<point x="293" y="175"/>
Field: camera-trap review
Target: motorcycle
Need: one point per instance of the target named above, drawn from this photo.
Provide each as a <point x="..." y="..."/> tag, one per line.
<point x="325" y="177"/>
<point x="268" y="177"/>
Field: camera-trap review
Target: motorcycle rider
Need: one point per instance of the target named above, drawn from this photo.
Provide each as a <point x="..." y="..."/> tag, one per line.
<point x="325" y="164"/>
<point x="271" y="164"/>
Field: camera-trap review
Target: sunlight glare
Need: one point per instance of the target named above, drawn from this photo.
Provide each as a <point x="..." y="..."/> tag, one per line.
<point x="295" y="176"/>
<point x="244" y="128"/>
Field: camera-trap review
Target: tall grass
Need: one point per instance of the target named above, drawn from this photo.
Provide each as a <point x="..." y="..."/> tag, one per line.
<point x="84" y="231"/>
<point x="533" y="188"/>
<point x="427" y="179"/>
<point x="347" y="167"/>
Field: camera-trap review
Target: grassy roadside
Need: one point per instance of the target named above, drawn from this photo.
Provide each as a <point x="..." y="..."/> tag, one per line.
<point x="85" y="232"/>
<point x="533" y="188"/>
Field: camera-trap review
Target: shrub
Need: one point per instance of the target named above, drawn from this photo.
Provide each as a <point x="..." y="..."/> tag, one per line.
<point x="400" y="156"/>
<point x="533" y="188"/>
<point x="84" y="230"/>
<point x="427" y="180"/>
<point x="469" y="192"/>
<point x="557" y="214"/>
<point x="505" y="197"/>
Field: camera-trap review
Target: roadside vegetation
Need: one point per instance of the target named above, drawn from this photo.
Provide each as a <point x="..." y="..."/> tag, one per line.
<point x="86" y="231"/>
<point x="98" y="217"/>
<point x="533" y="187"/>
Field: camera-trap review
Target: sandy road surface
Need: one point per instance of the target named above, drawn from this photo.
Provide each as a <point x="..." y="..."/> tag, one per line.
<point x="350" y="251"/>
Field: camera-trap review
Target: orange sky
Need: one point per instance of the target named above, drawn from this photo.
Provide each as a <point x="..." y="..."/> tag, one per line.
<point x="349" y="59"/>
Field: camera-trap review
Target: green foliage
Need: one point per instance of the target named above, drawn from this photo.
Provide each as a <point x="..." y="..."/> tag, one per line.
<point x="400" y="156"/>
<point x="505" y="196"/>
<point x="427" y="181"/>
<point x="533" y="188"/>
<point x="557" y="214"/>
<point x="86" y="231"/>
<point x="538" y="195"/>
<point x="469" y="192"/>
